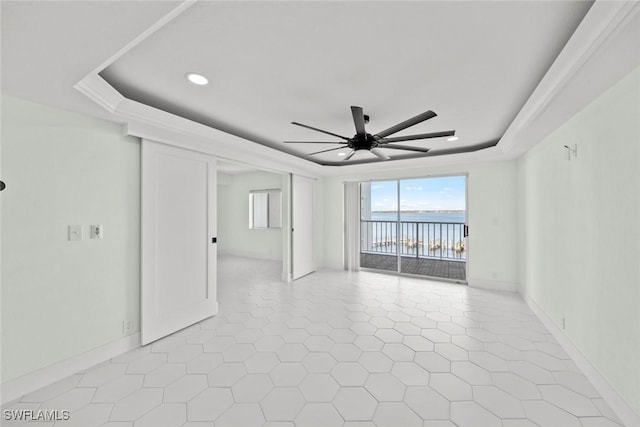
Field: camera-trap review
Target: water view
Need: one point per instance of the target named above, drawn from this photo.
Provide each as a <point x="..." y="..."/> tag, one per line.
<point x="431" y="213"/>
<point x="424" y="216"/>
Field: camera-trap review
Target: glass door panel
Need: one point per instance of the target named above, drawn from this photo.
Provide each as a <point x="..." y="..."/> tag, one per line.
<point x="379" y="225"/>
<point x="432" y="219"/>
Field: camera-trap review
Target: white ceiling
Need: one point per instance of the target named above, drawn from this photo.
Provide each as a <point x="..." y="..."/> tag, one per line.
<point x="474" y="63"/>
<point x="48" y="46"/>
<point x="270" y="63"/>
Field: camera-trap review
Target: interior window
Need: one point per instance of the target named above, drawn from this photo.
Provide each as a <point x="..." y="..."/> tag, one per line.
<point x="265" y="208"/>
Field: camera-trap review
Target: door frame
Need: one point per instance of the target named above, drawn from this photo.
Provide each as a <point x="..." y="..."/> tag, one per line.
<point x="398" y="254"/>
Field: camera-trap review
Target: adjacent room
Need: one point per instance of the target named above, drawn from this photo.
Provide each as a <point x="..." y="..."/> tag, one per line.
<point x="250" y="213"/>
<point x="349" y="214"/>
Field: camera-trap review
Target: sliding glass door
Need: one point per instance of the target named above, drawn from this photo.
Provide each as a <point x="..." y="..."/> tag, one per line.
<point x="415" y="226"/>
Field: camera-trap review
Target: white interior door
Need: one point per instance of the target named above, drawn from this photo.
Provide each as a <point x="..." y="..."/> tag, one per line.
<point x="178" y="239"/>
<point x="302" y="226"/>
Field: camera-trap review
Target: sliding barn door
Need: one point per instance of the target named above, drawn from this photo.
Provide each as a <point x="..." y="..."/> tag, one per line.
<point x="178" y="239"/>
<point x="302" y="224"/>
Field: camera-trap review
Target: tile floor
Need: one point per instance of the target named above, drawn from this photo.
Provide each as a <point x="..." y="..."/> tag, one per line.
<point x="338" y="349"/>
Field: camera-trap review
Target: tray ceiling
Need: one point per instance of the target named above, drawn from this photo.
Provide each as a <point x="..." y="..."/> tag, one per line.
<point x="270" y="63"/>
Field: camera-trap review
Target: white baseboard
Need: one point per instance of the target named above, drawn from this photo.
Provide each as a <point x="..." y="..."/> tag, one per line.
<point x="494" y="285"/>
<point x="253" y="255"/>
<point x="33" y="381"/>
<point x="621" y="408"/>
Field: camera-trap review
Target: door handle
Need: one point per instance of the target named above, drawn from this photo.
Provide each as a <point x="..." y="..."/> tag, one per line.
<point x="214" y="240"/>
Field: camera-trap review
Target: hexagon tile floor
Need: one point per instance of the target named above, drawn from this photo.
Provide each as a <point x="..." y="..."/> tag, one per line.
<point x="338" y="349"/>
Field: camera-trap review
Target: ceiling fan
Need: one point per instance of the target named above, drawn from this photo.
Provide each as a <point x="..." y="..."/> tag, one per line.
<point x="373" y="143"/>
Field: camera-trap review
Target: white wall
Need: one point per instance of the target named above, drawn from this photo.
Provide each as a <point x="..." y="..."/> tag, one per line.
<point x="234" y="235"/>
<point x="492" y="219"/>
<point x="580" y="233"/>
<point x="62" y="298"/>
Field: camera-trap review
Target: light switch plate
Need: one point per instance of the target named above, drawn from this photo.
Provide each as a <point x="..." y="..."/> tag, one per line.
<point x="75" y="233"/>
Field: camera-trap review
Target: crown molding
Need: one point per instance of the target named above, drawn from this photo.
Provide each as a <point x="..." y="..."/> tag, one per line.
<point x="186" y="4"/>
<point x="602" y="23"/>
<point x="99" y="91"/>
<point x="151" y="123"/>
<point x="223" y="146"/>
<point x="147" y="122"/>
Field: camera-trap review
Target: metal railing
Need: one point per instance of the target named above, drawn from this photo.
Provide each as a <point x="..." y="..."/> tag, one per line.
<point x="437" y="240"/>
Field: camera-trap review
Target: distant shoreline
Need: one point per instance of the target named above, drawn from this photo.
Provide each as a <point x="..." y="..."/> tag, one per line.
<point x="422" y="211"/>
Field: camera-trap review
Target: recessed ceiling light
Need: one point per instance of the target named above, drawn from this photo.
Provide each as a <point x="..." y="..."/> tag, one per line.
<point x="342" y="154"/>
<point x="197" y="79"/>
<point x="453" y="138"/>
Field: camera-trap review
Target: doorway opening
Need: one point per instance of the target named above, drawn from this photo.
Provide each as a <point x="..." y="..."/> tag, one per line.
<point x="252" y="220"/>
<point x="415" y="226"/>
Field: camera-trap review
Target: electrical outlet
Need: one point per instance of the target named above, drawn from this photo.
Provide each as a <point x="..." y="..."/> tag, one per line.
<point x="563" y="322"/>
<point x="75" y="232"/>
<point x="127" y="325"/>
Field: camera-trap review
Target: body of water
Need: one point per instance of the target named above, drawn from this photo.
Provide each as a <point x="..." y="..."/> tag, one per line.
<point x="419" y="216"/>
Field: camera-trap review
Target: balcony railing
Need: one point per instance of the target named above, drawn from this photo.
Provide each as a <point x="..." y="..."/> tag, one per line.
<point x="436" y="240"/>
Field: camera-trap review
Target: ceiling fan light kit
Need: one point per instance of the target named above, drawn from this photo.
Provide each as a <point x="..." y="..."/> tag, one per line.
<point x="376" y="142"/>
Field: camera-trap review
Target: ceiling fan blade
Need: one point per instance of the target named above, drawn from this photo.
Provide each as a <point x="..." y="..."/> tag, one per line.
<point x="350" y="155"/>
<point x="407" y="147"/>
<point x="314" y="142"/>
<point x="358" y="120"/>
<point x="320" y="130"/>
<point x="324" y="151"/>
<point x="378" y="152"/>
<point x="418" y="136"/>
<point x="407" y="123"/>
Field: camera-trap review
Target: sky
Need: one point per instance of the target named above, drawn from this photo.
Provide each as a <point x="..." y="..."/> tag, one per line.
<point x="441" y="193"/>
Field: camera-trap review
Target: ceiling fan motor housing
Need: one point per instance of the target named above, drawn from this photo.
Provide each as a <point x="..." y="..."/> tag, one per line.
<point x="362" y="142"/>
